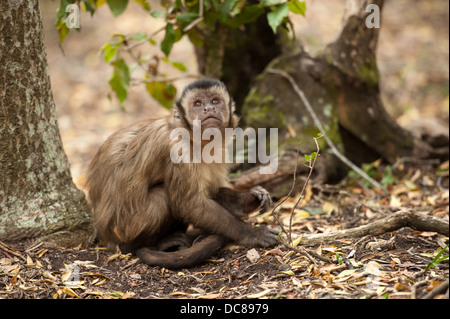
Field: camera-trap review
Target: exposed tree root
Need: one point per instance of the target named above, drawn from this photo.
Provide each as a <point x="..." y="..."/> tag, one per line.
<point x="417" y="221"/>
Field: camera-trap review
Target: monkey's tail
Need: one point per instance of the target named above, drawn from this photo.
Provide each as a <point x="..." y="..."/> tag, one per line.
<point x="184" y="258"/>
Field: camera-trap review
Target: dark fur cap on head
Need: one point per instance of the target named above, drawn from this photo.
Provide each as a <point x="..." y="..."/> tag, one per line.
<point x="203" y="84"/>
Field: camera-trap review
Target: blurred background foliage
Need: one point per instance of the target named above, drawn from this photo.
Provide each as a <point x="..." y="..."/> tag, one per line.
<point x="412" y="57"/>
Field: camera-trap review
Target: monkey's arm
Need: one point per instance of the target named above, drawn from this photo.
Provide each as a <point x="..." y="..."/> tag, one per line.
<point x="194" y="207"/>
<point x="242" y="203"/>
<point x="212" y="217"/>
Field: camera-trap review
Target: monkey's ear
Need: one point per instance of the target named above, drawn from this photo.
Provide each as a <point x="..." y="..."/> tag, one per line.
<point x="234" y="119"/>
<point x="179" y="115"/>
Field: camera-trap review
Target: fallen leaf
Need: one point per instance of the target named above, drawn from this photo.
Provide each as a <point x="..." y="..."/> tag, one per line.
<point x="66" y="276"/>
<point x="373" y="268"/>
<point x="209" y="296"/>
<point x="94" y="292"/>
<point x="41" y="252"/>
<point x="100" y="282"/>
<point x="297" y="241"/>
<point x="8" y="268"/>
<point x="179" y="293"/>
<point x="395" y="202"/>
<point x="48" y="275"/>
<point x="85" y="263"/>
<point x="128" y="295"/>
<point x="29" y="261"/>
<point x="328" y="207"/>
<point x="97" y="274"/>
<point x="301" y="213"/>
<point x="259" y="294"/>
<point x="275" y="251"/>
<point x="112" y="257"/>
<point x="68" y="291"/>
<point x="14" y="278"/>
<point x="399" y="287"/>
<point x="346" y="273"/>
<point x="287" y="272"/>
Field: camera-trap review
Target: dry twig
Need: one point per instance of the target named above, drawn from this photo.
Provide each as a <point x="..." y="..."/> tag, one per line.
<point x="4" y="247"/>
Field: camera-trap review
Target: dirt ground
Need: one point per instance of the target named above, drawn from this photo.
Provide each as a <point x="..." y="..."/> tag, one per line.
<point x="392" y="265"/>
<point x="413" y="60"/>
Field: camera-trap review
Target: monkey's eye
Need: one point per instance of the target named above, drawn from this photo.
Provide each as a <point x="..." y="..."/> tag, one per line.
<point x="198" y="103"/>
<point x="215" y="101"/>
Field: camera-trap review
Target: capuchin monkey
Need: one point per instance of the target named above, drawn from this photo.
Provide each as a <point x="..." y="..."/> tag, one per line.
<point x="144" y="202"/>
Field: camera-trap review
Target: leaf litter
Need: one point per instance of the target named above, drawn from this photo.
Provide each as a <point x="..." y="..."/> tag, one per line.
<point x="399" y="265"/>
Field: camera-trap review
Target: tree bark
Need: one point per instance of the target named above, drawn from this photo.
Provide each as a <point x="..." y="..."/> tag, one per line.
<point x="38" y="199"/>
<point x="235" y="56"/>
<point x="342" y="85"/>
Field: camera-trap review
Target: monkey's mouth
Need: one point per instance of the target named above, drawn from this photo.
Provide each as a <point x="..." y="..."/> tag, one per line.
<point x="211" y="121"/>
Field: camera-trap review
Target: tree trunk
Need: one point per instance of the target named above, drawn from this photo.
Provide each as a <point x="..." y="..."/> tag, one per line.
<point x="38" y="199"/>
<point x="342" y="85"/>
<point x="236" y="56"/>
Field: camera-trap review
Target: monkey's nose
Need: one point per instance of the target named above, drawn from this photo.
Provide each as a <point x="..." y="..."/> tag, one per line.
<point x="209" y="108"/>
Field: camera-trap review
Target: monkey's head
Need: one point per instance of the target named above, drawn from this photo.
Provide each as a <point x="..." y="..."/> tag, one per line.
<point x="206" y="100"/>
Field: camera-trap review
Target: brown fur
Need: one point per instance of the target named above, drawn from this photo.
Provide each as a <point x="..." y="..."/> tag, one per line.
<point x="144" y="202"/>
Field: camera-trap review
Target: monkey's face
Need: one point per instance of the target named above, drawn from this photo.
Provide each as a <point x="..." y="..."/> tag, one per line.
<point x="208" y="107"/>
<point x="211" y="106"/>
<point x="207" y="101"/>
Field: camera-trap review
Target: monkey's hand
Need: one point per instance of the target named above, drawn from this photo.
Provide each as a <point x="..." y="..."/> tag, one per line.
<point x="263" y="196"/>
<point x="260" y="237"/>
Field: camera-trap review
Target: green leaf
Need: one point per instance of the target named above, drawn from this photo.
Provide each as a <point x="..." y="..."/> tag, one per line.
<point x="117" y="6"/>
<point x="187" y="17"/>
<point x="169" y="40"/>
<point x="297" y="7"/>
<point x="60" y="22"/>
<point x="184" y="19"/>
<point x="115" y="294"/>
<point x="158" y="14"/>
<point x="307" y="158"/>
<point x="109" y="52"/>
<point x="144" y="4"/>
<point x="63" y="31"/>
<point x="139" y="36"/>
<point x="276" y="17"/>
<point x="61" y="11"/>
<point x="163" y="92"/>
<point x="268" y="3"/>
<point x="388" y="179"/>
<point x="437" y="259"/>
<point x="120" y="80"/>
<point x="247" y="15"/>
<point x="225" y="10"/>
<point x="179" y="66"/>
<point x="339" y="259"/>
<point x="89" y="6"/>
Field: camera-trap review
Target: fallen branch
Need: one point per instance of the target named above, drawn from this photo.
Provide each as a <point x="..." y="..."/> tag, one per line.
<point x="441" y="289"/>
<point x="417" y="221"/>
